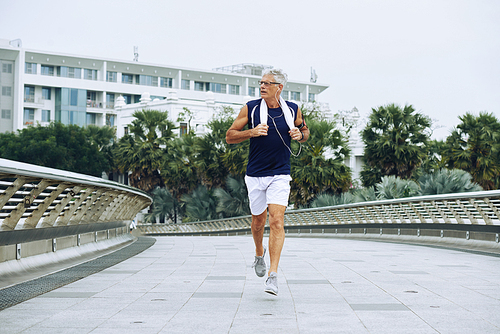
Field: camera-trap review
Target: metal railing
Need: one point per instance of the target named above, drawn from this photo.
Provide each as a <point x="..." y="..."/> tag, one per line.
<point x="466" y="212"/>
<point x="34" y="197"/>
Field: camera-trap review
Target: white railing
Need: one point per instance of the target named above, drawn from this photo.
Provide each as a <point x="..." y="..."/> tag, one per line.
<point x="37" y="197"/>
<point x="439" y="214"/>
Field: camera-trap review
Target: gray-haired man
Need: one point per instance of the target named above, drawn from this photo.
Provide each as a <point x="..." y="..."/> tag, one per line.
<point x="273" y="123"/>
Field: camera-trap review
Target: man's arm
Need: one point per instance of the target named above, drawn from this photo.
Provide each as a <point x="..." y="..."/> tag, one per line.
<point x="302" y="134"/>
<point x="235" y="134"/>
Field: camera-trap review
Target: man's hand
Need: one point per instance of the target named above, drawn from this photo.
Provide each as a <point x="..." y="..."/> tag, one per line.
<point x="296" y="134"/>
<point x="260" y="130"/>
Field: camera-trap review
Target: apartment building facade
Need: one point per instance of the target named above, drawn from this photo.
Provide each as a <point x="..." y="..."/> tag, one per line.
<point x="39" y="87"/>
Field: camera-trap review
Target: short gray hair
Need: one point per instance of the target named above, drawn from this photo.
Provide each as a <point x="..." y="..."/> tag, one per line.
<point x="278" y="74"/>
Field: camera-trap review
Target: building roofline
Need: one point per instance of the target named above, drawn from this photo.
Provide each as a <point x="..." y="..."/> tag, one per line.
<point x="131" y="62"/>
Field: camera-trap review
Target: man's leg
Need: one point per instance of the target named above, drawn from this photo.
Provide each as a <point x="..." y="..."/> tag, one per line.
<point x="277" y="234"/>
<point x="258" y="226"/>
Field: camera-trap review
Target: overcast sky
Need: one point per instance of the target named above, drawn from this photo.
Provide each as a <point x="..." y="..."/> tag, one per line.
<point x="441" y="56"/>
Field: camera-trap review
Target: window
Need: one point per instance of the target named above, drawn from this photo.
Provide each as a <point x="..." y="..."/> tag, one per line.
<point x="29" y="94"/>
<point x="110" y="100"/>
<point x="91" y="95"/>
<point x="92" y="99"/>
<point x="125" y="130"/>
<point x="127" y="78"/>
<point x="6" y="114"/>
<point x="166" y="82"/>
<point x="47" y="70"/>
<point x="110" y="120"/>
<point x="29" y="116"/>
<point x="284" y="94"/>
<point x="90" y="74"/>
<point x="74" y="72"/>
<point x="257" y="71"/>
<point x="69" y="72"/>
<point x="73" y="97"/>
<point x="312" y="97"/>
<point x="111" y="76"/>
<point x="183" y="129"/>
<point x="7" y="91"/>
<point x="91" y="119"/>
<point x="46" y="93"/>
<point x="295" y="96"/>
<point x="199" y="86"/>
<point x="251" y="91"/>
<point x="128" y="98"/>
<point x="209" y="87"/>
<point x="146" y="80"/>
<point x="46" y="116"/>
<point x="6" y="68"/>
<point x="185" y="84"/>
<point x="30" y="68"/>
<point x="216" y="87"/>
<point x="234" y="90"/>
<point x="153" y="97"/>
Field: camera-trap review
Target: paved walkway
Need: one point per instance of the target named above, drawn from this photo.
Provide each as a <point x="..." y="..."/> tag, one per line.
<point x="207" y="285"/>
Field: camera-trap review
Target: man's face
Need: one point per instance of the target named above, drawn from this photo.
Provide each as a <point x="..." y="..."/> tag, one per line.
<point x="269" y="91"/>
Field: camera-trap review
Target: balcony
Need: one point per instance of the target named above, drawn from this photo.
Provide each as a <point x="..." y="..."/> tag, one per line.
<point x="35" y="102"/>
<point x="94" y="104"/>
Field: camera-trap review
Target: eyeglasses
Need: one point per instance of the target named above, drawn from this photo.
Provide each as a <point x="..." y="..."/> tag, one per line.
<point x="267" y="83"/>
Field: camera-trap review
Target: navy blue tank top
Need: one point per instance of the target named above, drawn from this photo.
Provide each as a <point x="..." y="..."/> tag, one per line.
<point x="268" y="155"/>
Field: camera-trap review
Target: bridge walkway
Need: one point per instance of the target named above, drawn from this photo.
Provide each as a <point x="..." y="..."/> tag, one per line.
<point x="326" y="285"/>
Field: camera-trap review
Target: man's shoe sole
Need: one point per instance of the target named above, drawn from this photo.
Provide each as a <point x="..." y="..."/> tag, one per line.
<point x="271" y="292"/>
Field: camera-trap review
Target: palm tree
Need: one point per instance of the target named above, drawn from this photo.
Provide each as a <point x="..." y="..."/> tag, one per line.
<point x="210" y="150"/>
<point x="474" y="146"/>
<point x="434" y="159"/>
<point x="142" y="151"/>
<point x="320" y="166"/>
<point x="179" y="170"/>
<point x="164" y="206"/>
<point x="233" y="202"/>
<point x="235" y="158"/>
<point x="200" y="205"/>
<point x="101" y="136"/>
<point x="104" y="138"/>
<point x="395" y="142"/>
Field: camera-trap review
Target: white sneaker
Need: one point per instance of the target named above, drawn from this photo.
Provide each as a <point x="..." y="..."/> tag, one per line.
<point x="272" y="284"/>
<point x="260" y="265"/>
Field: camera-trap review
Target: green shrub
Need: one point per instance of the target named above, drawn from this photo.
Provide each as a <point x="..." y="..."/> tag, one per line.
<point x="394" y="187"/>
<point x="365" y="195"/>
<point x="446" y="181"/>
<point x="331" y="200"/>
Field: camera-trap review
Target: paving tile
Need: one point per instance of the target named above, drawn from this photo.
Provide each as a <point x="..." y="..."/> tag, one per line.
<point x="67" y="294"/>
<point x="225" y="278"/>
<point x="182" y="284"/>
<point x="379" y="307"/>
<point x="217" y="295"/>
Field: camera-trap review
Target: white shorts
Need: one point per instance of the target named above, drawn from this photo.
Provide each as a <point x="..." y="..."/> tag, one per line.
<point x="267" y="190"/>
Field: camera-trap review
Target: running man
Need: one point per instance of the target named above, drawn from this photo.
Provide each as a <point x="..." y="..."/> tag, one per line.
<point x="273" y="123"/>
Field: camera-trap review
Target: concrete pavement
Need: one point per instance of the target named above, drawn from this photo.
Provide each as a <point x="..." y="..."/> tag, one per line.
<point x="326" y="285"/>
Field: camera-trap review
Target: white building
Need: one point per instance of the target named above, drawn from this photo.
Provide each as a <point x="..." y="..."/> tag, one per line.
<point x="40" y="87"/>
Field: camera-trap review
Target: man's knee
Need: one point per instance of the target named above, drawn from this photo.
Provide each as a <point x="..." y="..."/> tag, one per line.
<point x="276" y="225"/>
<point x="259" y="221"/>
<point x="276" y="222"/>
